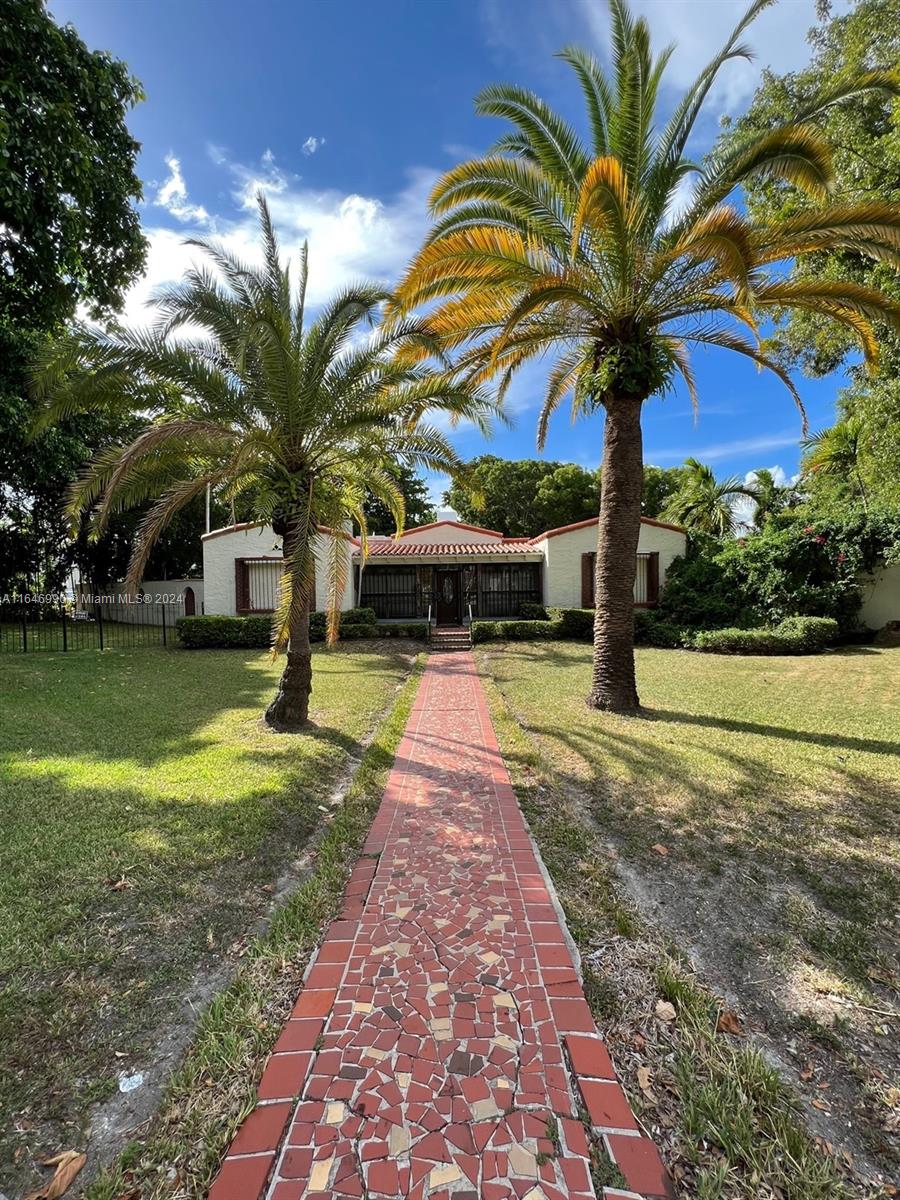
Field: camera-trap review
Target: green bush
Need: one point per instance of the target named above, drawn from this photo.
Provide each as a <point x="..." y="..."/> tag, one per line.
<point x="353" y="616"/>
<point x="349" y="632"/>
<point x="533" y="612"/>
<point x="416" y="629"/>
<point x="812" y="633"/>
<point x="515" y="631"/>
<point x="197" y="633"/>
<point x="793" y="635"/>
<point x="740" y="641"/>
<point x="649" y="630"/>
<point x="576" y="623"/>
<point x="699" y="594"/>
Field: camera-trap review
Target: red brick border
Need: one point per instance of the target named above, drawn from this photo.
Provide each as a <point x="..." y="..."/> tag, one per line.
<point x="442" y="1026"/>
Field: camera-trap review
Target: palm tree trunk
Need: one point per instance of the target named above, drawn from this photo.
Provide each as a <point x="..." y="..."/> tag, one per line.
<point x="613" y="685"/>
<point x="289" y="711"/>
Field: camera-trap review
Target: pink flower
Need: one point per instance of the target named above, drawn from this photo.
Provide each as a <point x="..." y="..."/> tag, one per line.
<point x="842" y="557"/>
<point x="807" y="528"/>
<point x="819" y="539"/>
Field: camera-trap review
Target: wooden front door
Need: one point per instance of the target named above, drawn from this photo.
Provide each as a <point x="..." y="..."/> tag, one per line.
<point x="447" y="597"/>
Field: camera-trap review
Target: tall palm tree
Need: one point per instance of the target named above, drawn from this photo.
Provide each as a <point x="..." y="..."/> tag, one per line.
<point x="704" y="503"/>
<point x="617" y="256"/>
<point x="836" y="452"/>
<point x="297" y="421"/>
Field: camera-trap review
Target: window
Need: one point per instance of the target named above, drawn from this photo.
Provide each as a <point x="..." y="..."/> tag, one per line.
<point x="646" y="580"/>
<point x="502" y="588"/>
<point x="393" y="592"/>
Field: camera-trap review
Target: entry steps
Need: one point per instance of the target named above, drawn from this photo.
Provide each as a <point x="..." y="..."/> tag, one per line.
<point x="450" y="637"/>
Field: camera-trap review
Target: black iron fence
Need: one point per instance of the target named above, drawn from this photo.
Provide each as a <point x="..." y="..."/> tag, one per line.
<point x="108" y="623"/>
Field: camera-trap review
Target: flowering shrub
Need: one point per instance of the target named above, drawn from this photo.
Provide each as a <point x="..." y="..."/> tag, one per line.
<point x="793" y="567"/>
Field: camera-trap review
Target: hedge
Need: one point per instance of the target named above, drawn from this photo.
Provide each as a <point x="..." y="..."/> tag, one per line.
<point x="532" y="612"/>
<point x="256" y="632"/>
<point x="793" y="635"/>
<point x="515" y="631"/>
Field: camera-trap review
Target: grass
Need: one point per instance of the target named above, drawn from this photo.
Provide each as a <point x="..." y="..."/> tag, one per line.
<point x="147" y="814"/>
<point x="755" y="808"/>
<point x="215" y="1087"/>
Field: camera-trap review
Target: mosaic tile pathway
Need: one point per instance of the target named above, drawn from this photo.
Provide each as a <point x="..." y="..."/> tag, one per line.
<point x="441" y="1037"/>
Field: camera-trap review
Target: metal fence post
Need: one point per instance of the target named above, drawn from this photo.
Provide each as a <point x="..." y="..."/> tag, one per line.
<point x="100" y="623"/>
<point x="24" y="633"/>
<point x="65" y="635"/>
<point x="163" y="607"/>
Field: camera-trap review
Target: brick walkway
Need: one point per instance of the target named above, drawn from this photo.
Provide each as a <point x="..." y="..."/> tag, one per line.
<point x="442" y="1035"/>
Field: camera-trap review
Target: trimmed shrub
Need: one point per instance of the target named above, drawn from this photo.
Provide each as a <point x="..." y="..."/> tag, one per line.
<point x="813" y="634"/>
<point x="417" y="630"/>
<point x="353" y="616"/>
<point x="533" y="612"/>
<point x="649" y="630"/>
<point x="349" y="632"/>
<point x="793" y="635"/>
<point x="196" y="633"/>
<point x="515" y="631"/>
<point x="576" y="623"/>
<point x="740" y="641"/>
<point x="699" y="595"/>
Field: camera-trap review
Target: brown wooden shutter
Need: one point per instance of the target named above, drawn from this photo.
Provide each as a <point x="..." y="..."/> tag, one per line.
<point x="653" y="577"/>
<point x="587" y="580"/>
<point x="241" y="585"/>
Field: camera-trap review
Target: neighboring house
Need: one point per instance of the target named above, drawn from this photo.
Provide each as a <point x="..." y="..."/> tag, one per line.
<point x="449" y="571"/>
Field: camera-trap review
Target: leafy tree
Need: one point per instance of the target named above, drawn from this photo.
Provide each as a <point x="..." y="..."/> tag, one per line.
<point x="703" y="503"/>
<point x="838" y="453"/>
<point x="659" y="484"/>
<point x="296" y="420"/>
<point x="69" y="234"/>
<point x="550" y="246"/>
<point x="416" y="502"/>
<point x="865" y="140"/>
<point x="568" y="494"/>
<point x="520" y="498"/>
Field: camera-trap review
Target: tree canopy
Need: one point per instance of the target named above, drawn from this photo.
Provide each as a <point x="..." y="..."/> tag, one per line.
<point x="416" y="499"/>
<point x="69" y="235"/>
<point x="864" y="136"/>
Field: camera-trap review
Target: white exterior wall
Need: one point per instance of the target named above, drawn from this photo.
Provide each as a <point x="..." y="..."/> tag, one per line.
<point x="220" y="549"/>
<point x="448" y="534"/>
<point x="562" y="559"/>
<point x="880" y="597"/>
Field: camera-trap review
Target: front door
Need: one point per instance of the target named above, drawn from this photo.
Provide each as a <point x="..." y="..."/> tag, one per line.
<point x="447" y="592"/>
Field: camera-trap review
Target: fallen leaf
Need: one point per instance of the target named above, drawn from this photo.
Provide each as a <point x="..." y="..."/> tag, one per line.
<point x="729" y="1022"/>
<point x="665" y="1011"/>
<point x="119" y="885"/>
<point x="660" y="848"/>
<point x="820" y="1104"/>
<point x="807" y="1072"/>
<point x="67" y="1164"/>
<point x="639" y="1040"/>
<point x="645" y="1078"/>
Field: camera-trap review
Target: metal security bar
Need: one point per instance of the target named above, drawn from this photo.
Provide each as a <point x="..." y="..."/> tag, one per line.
<point x="108" y="624"/>
<point x="256" y="584"/>
<point x="393" y="592"/>
<point x="502" y="589"/>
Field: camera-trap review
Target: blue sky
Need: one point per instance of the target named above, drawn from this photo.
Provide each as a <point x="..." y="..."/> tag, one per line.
<point x="346" y="112"/>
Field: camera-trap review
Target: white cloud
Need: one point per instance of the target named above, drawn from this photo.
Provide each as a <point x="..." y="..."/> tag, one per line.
<point x="699" y="29"/>
<point x="721" y="450"/>
<point x="350" y="236"/>
<point x="312" y="144"/>
<point x="172" y="195"/>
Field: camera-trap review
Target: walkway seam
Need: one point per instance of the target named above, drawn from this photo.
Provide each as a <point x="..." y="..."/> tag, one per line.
<point x="441" y="1046"/>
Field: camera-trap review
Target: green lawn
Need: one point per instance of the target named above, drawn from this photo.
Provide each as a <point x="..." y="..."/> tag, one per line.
<point x="755" y="811"/>
<point x="146" y="816"/>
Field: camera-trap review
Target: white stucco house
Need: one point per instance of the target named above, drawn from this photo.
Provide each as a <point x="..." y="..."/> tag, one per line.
<point x="448" y="571"/>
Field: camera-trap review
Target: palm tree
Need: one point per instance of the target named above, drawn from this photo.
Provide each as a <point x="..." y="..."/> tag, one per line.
<point x="704" y="503"/>
<point x="769" y="497"/>
<point x="836" y="452"/>
<point x="585" y="253"/>
<point x="297" y="422"/>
